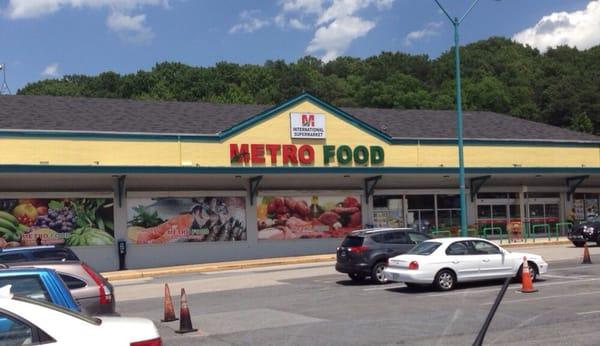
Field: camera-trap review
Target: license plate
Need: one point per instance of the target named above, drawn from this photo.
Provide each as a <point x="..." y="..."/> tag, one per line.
<point x="343" y="253"/>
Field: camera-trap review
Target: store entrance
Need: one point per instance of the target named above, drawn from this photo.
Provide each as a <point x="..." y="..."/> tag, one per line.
<point x="543" y="213"/>
<point x="495" y="212"/>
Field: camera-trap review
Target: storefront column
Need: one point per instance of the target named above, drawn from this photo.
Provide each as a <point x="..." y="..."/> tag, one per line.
<point x="522" y="208"/>
<point x="471" y="208"/>
<point x="120" y="214"/>
<point x="251" y="222"/>
<point x="367" y="211"/>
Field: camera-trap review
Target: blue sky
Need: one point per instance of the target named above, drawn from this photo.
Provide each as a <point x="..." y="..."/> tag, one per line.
<point x="50" y="38"/>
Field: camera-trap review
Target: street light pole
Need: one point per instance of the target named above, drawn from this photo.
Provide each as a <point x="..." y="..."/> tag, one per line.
<point x="459" y="124"/>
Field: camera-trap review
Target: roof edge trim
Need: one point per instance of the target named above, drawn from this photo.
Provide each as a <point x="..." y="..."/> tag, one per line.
<point x="15" y="168"/>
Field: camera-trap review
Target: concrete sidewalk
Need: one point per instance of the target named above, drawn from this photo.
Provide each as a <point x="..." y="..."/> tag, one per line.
<point x="220" y="266"/>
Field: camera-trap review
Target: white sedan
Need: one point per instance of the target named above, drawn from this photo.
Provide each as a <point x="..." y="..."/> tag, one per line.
<point x="24" y="321"/>
<point x="445" y="261"/>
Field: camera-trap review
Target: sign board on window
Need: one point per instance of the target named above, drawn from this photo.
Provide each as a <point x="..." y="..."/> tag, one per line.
<point x="307" y="125"/>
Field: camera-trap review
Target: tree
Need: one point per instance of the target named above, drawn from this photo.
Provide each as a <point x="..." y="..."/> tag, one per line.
<point x="559" y="87"/>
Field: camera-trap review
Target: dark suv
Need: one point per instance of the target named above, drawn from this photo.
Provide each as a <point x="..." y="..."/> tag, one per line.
<point x="365" y="253"/>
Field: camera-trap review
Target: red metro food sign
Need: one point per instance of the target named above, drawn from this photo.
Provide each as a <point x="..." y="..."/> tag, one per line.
<point x="291" y="154"/>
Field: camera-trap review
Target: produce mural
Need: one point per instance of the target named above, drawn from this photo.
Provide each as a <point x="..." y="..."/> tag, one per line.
<point x="307" y="217"/>
<point x="201" y="219"/>
<point x="68" y="221"/>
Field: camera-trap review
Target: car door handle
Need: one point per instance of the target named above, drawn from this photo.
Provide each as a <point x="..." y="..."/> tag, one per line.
<point x="455" y="262"/>
<point x="486" y="260"/>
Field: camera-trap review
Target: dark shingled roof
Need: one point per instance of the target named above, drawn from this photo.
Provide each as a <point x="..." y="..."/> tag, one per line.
<point x="117" y="115"/>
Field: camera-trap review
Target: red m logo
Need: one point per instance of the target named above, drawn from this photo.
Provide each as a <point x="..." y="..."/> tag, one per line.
<point x="308" y="120"/>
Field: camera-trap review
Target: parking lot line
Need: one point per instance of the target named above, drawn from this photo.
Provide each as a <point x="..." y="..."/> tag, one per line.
<point x="495" y="289"/>
<point x="587" y="266"/>
<point x="384" y="287"/>
<point x="589" y="312"/>
<point x="567" y="277"/>
<point x="562" y="296"/>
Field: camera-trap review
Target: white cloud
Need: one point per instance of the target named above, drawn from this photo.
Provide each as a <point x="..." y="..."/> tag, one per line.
<point x="250" y="22"/>
<point x="19" y="9"/>
<point x="335" y="38"/>
<point x="579" y="29"/>
<point x="298" y="24"/>
<point x="50" y="70"/>
<point x="431" y="29"/>
<point x="338" y="22"/>
<point x="130" y="28"/>
<point x="306" y="6"/>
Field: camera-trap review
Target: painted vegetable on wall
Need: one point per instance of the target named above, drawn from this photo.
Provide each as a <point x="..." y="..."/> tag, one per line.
<point x="282" y="217"/>
<point x="69" y="221"/>
<point x="200" y="219"/>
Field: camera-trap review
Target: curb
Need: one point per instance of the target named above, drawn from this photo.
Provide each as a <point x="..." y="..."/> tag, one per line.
<point x="246" y="264"/>
<point x="552" y="243"/>
<point x="214" y="267"/>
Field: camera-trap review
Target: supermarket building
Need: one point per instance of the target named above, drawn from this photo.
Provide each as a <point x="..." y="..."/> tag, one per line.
<point x="190" y="182"/>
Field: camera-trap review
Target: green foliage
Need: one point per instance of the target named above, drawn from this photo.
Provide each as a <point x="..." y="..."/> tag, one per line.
<point x="559" y="87"/>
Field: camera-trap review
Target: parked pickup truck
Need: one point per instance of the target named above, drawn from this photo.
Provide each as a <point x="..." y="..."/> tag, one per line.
<point x="39" y="283"/>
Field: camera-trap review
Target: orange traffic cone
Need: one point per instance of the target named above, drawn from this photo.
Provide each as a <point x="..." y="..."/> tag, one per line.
<point x="527" y="284"/>
<point x="185" y="324"/>
<point x="586" y="255"/>
<point x="168" y="307"/>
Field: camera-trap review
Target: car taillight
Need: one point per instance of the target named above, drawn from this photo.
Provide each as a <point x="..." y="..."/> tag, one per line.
<point x="151" y="342"/>
<point x="103" y="290"/>
<point x="358" y="249"/>
<point x="414" y="265"/>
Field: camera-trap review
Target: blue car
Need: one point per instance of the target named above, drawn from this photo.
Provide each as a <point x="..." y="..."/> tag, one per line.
<point x="36" y="283"/>
<point x="39" y="283"/>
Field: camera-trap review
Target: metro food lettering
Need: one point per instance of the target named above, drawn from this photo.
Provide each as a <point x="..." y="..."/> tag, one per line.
<point x="306" y="154"/>
<point x="377" y="155"/>
<point x="258" y="153"/>
<point x="290" y="154"/>
<point x="328" y="153"/>
<point x="360" y="155"/>
<point x="239" y="155"/>
<point x="273" y="149"/>
<point x="344" y="154"/>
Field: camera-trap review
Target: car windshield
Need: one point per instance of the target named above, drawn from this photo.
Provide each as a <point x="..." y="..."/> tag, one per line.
<point x="91" y="320"/>
<point x="424" y="249"/>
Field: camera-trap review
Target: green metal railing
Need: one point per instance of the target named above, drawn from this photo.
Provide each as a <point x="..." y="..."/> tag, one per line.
<point x="569" y="226"/>
<point x="492" y="229"/>
<point x="544" y="226"/>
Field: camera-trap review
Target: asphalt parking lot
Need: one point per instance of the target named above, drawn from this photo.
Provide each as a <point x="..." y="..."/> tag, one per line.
<point x="311" y="304"/>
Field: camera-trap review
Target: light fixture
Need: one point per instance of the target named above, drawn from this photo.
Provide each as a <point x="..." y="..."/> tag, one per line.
<point x="446" y="176"/>
<point x="346" y="176"/>
<point x="238" y="176"/>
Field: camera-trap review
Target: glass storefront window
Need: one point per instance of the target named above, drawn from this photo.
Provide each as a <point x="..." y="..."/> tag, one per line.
<point x="388" y="211"/>
<point x="515" y="212"/>
<point x="448" y="218"/>
<point x="420" y="201"/>
<point x="448" y="201"/>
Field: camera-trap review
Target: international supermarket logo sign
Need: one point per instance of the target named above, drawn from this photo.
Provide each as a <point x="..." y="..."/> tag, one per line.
<point x="307" y="125"/>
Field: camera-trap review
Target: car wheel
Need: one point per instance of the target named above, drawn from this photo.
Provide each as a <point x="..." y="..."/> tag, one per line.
<point x="356" y="277"/>
<point x="532" y="272"/>
<point x="444" y="280"/>
<point x="377" y="273"/>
